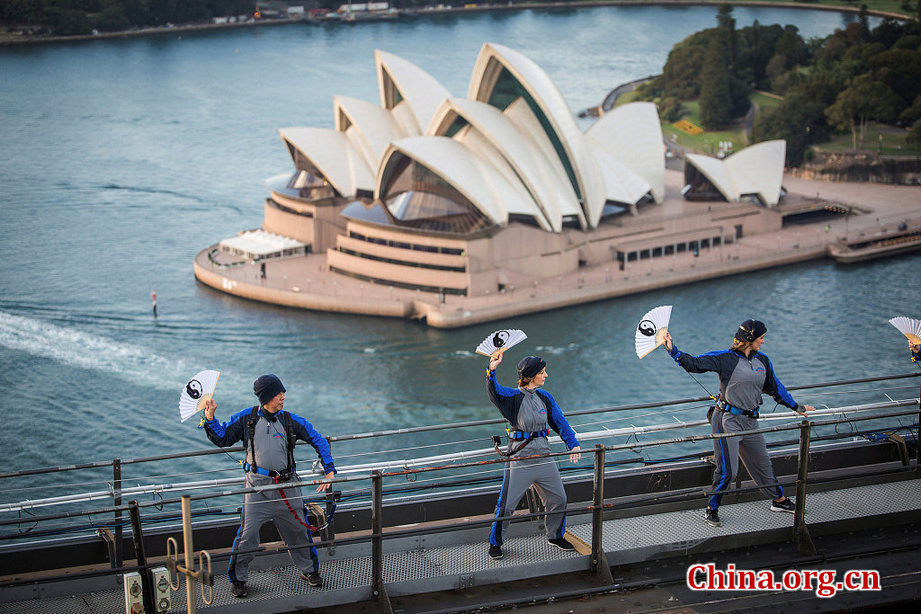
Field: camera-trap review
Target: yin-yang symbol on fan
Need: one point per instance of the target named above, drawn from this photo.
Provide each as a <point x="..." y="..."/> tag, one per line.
<point x="499" y="339"/>
<point x="647" y="328"/>
<point x="194" y="389"/>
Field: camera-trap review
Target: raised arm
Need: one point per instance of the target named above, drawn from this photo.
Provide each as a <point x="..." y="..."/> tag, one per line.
<point x="503" y="398"/>
<point x="224" y="434"/>
<point x="709" y="362"/>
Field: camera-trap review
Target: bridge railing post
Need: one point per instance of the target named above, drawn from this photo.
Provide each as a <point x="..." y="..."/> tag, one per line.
<point x="599" y="566"/>
<point x="378" y="588"/>
<point x="801" y="535"/>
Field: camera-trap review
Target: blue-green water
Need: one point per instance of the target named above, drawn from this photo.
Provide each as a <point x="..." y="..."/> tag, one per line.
<point x="123" y="158"/>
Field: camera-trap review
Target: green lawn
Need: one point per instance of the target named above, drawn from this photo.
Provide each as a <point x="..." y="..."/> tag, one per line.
<point x="763" y="100"/>
<point x="892" y="142"/>
<point x="706" y="142"/>
<point x="625" y="98"/>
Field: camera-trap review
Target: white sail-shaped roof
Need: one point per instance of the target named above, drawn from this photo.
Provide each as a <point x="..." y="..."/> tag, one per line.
<point x="754" y="170"/>
<point x="520" y="114"/>
<point x="333" y="155"/>
<point x="623" y="185"/>
<point x="573" y="150"/>
<point x="486" y="152"/>
<point x="457" y="165"/>
<point x="632" y="135"/>
<point x="370" y="128"/>
<point x="715" y="171"/>
<point x="407" y="89"/>
<point x="547" y="186"/>
<point x="758" y="169"/>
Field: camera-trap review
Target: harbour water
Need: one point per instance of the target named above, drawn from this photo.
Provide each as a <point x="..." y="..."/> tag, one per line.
<point x="123" y="158"/>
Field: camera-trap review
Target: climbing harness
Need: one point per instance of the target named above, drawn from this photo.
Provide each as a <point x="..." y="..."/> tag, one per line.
<point x="524" y="436"/>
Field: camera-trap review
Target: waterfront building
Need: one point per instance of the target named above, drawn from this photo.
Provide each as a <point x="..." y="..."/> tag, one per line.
<point x="478" y="195"/>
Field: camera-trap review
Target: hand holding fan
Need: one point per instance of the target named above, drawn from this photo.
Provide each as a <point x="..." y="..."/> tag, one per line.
<point x="196" y="392"/>
<point x="650" y="332"/>
<point x="496" y="343"/>
<point x="908" y="327"/>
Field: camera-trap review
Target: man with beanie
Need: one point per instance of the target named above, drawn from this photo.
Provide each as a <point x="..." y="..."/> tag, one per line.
<point x="530" y="411"/>
<point x="268" y="433"/>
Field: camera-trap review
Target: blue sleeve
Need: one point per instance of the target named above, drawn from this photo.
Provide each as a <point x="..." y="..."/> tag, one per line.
<point x="558" y="423"/>
<point x="773" y="387"/>
<point x="305" y="432"/>
<point x="226" y="434"/>
<point x="705" y="363"/>
<point x="503" y="398"/>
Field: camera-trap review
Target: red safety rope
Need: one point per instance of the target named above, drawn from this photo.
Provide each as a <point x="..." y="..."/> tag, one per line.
<point x="281" y="491"/>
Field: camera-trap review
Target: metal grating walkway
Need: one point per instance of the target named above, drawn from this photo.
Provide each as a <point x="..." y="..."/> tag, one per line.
<point x="441" y="564"/>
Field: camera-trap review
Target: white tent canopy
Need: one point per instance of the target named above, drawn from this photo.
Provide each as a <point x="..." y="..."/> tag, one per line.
<point x="261" y="245"/>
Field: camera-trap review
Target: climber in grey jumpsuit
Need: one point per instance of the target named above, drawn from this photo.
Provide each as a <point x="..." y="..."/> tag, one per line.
<point x="745" y="373"/>
<point x="530" y="411"/>
<point x="268" y="434"/>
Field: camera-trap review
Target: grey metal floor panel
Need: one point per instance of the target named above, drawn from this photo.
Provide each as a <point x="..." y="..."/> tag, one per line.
<point x="664" y="532"/>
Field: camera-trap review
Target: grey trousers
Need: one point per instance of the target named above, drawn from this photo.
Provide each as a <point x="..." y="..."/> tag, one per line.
<point x="518" y="477"/>
<point x="261" y="507"/>
<point x="727" y="451"/>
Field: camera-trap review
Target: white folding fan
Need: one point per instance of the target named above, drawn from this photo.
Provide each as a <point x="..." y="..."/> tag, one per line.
<point x="650" y="332"/>
<point x="196" y="392"/>
<point x="909" y="327"/>
<point x="499" y="341"/>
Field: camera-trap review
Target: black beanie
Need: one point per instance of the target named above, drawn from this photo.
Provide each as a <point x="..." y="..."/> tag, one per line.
<point x="749" y="330"/>
<point x="267" y="387"/>
<point x="529" y="366"/>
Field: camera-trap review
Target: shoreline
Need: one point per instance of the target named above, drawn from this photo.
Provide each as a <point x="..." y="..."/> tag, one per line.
<point x="10" y="40"/>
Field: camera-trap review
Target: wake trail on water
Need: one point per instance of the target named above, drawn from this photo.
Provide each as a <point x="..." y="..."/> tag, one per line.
<point x="77" y="348"/>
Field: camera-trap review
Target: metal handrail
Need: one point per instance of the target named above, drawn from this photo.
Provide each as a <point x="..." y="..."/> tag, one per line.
<point x="422" y="429"/>
<point x="427" y="469"/>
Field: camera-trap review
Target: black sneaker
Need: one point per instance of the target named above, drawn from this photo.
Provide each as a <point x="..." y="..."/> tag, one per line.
<point x="783" y="506"/>
<point x="313" y="578"/>
<point x="561" y="543"/>
<point x="495" y="552"/>
<point x="238" y="589"/>
<point x="712" y="518"/>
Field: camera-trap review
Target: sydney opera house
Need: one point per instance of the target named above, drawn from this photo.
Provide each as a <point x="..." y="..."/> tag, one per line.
<point x="427" y="198"/>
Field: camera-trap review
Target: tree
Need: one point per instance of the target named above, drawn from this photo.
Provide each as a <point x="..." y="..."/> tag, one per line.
<point x="22" y="11"/>
<point x="900" y="69"/>
<point x="715" y="94"/>
<point x="863" y="18"/>
<point x="863" y="100"/>
<point x="727" y="24"/>
<point x="799" y="120"/>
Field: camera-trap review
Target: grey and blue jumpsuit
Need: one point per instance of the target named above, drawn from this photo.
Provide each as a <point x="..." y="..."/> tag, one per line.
<point x="742" y="382"/>
<point x="530" y="411"/>
<point x="270" y="445"/>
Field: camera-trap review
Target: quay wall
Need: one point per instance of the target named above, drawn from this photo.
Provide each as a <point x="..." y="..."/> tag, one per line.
<point x="466" y="317"/>
<point x="520" y="302"/>
<point x="394" y="308"/>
